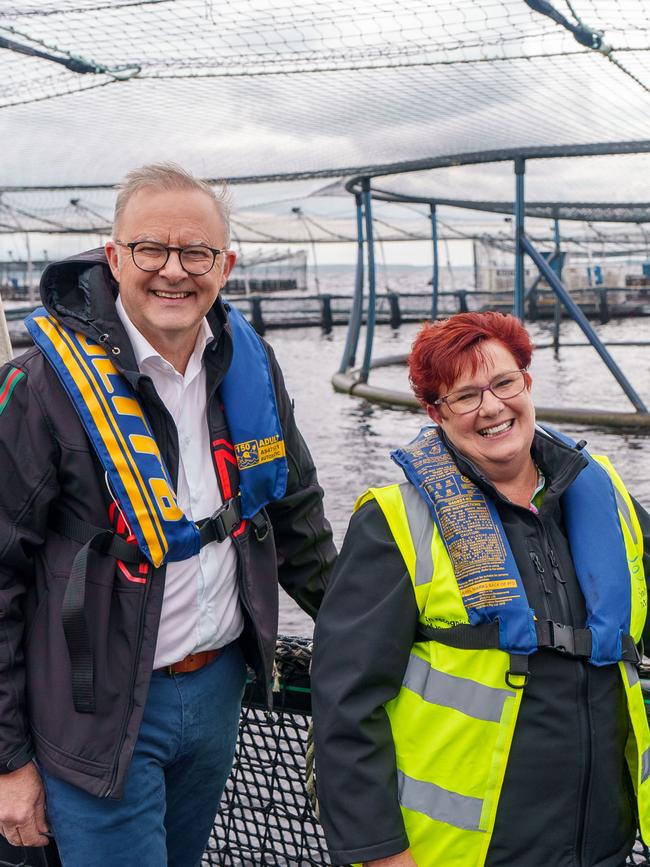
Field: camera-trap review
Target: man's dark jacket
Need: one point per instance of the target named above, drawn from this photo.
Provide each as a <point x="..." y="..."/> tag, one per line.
<point x="566" y="798"/>
<point x="47" y="461"/>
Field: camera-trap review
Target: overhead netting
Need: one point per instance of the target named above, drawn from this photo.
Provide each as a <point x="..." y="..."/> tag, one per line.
<point x="260" y="90"/>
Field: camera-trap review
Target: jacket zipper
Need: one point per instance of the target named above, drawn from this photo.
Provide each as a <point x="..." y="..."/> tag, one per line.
<point x="539" y="568"/>
<point x="160" y="407"/>
<point x="245" y="602"/>
<point x="134" y="671"/>
<point x="560" y="583"/>
<point x="562" y="595"/>
<point x="583" y="688"/>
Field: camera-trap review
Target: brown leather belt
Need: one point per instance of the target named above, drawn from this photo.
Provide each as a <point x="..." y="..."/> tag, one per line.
<point x="192" y="662"/>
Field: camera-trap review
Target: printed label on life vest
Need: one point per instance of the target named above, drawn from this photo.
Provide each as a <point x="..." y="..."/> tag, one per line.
<point x="256" y="452"/>
<point x="472" y="539"/>
<point x="482" y="593"/>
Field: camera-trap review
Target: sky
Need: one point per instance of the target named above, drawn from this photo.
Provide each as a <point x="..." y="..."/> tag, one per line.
<point x="259" y="87"/>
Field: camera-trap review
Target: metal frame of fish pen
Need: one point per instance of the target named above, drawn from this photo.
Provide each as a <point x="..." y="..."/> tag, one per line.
<point x="353" y="379"/>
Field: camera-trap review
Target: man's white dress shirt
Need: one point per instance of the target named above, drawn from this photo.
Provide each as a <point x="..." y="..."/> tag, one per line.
<point x="201" y="609"/>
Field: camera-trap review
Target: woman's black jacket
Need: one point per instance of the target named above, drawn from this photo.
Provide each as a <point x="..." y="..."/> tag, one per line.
<point x="565" y="800"/>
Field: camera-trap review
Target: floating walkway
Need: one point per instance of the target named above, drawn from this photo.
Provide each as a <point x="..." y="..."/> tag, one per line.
<point x="350" y="383"/>
<point x="274" y="311"/>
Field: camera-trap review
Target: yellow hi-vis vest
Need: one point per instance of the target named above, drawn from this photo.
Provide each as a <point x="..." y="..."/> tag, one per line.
<point x="454" y="718"/>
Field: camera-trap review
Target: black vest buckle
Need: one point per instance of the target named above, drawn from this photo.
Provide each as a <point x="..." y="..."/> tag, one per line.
<point x="562" y="638"/>
<point x="261" y="525"/>
<point x="220" y="525"/>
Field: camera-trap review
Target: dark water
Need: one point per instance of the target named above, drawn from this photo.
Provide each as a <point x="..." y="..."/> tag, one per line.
<point x="350" y="439"/>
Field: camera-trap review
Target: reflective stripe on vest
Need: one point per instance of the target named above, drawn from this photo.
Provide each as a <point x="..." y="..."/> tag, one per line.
<point x="637" y="749"/>
<point x="421" y="527"/>
<point x="467" y="696"/>
<point x="449" y="792"/>
<point x="439" y="804"/>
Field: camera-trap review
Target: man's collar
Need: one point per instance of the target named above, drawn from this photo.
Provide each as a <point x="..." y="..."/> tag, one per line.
<point x="144" y="351"/>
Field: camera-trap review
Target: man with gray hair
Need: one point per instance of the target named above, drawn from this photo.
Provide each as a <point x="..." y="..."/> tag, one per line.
<point x="156" y="488"/>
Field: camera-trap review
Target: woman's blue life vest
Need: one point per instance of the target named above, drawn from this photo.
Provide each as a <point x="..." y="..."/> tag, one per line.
<point x="485" y="568"/>
<point x="116" y="424"/>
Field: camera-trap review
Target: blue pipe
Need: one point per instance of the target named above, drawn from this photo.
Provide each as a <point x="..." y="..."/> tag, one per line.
<point x="435" y="276"/>
<point x="356" y="313"/>
<point x="530" y="289"/>
<point x="556" y="237"/>
<point x="372" y="312"/>
<point x="518" y="299"/>
<point x="578" y="316"/>
<point x="557" y="267"/>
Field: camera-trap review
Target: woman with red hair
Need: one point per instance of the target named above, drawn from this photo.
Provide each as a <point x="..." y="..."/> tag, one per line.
<point x="475" y="693"/>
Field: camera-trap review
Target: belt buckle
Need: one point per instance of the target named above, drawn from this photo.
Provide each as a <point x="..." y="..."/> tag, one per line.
<point x="562" y="638"/>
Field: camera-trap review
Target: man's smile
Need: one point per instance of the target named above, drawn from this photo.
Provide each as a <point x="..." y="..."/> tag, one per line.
<point x="159" y="293"/>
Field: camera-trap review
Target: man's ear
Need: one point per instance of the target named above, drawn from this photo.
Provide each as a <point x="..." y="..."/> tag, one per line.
<point x="228" y="265"/>
<point x="434" y="413"/>
<point x="110" y="248"/>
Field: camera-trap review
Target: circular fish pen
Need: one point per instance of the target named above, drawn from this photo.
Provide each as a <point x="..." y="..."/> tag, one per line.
<point x="538" y="258"/>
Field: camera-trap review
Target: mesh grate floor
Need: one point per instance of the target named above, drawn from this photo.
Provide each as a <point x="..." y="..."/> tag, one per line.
<point x="266" y="818"/>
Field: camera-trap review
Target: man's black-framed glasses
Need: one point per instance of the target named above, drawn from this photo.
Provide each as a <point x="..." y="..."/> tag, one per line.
<point x="504" y="386"/>
<point x="196" y="259"/>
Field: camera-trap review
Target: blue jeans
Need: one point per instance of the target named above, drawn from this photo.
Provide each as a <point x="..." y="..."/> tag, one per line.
<point x="180" y="765"/>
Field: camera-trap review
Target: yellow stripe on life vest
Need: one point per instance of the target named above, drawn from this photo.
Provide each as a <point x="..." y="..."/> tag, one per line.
<point x="112" y="437"/>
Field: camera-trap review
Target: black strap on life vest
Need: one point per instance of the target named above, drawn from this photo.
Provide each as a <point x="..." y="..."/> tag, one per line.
<point x="73" y="614"/>
<point x="569" y="640"/>
<point x="218" y="527"/>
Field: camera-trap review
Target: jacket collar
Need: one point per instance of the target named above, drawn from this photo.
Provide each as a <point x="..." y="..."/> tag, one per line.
<point x="560" y="463"/>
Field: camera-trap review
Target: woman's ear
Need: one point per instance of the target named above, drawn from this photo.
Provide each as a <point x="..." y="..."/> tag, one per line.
<point x="434" y="413"/>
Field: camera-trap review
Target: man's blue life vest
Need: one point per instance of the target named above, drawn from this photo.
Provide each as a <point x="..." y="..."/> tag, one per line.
<point x="483" y="563"/>
<point x="115" y="422"/>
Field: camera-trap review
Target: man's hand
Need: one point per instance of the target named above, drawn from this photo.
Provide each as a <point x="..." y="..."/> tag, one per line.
<point x="404" y="859"/>
<point x="22" y="807"/>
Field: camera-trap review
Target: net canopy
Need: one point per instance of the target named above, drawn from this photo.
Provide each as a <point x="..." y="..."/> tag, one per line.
<point x="291" y="101"/>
